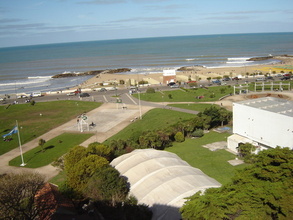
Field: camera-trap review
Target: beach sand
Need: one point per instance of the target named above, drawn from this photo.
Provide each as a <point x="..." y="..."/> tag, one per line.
<point x="195" y="73"/>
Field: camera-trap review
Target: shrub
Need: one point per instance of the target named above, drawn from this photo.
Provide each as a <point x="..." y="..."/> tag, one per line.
<point x="197" y="133"/>
<point x="179" y="137"/>
<point x="212" y="95"/>
<point x="150" y="90"/>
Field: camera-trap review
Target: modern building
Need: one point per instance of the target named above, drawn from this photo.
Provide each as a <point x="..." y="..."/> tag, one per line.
<point x="264" y="122"/>
<point x="161" y="180"/>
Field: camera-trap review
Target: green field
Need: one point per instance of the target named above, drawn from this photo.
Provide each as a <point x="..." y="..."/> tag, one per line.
<point x="212" y="163"/>
<point x="35" y="120"/>
<point x="52" y="150"/>
<point x="189" y="95"/>
<point x="152" y="120"/>
<point x="195" y="107"/>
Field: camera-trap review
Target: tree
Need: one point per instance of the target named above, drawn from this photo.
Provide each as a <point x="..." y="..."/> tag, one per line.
<point x="224" y="116"/>
<point x="245" y="151"/>
<point x="41" y="143"/>
<point x="263" y="190"/>
<point x="100" y="150"/>
<point x="107" y="185"/>
<point x="78" y="175"/>
<point x="74" y="156"/>
<point x="17" y="196"/>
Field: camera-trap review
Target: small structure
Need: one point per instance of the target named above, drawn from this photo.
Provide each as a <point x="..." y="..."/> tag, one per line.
<point x="81" y="123"/>
<point x="264" y="122"/>
<point x="279" y="86"/>
<point x="241" y="89"/>
<point x="169" y="76"/>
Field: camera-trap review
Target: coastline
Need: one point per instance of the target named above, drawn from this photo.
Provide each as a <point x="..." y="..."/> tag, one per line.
<point x="195" y="73"/>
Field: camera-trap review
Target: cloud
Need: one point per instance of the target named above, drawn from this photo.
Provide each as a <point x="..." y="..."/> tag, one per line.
<point x="9" y="20"/>
<point x="145" y="19"/>
<point x="102" y="2"/>
<point x="226" y="17"/>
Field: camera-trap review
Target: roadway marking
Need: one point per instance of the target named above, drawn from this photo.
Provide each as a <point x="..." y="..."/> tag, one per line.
<point x="131" y="99"/>
<point x="106" y="100"/>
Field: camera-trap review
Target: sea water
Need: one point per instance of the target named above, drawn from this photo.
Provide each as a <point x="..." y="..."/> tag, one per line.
<point x="30" y="68"/>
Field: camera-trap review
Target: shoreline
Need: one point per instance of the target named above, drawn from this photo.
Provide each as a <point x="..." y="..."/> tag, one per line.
<point x="110" y="78"/>
<point x="195" y="73"/>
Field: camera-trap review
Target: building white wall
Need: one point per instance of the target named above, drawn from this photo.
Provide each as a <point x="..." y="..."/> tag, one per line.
<point x="268" y="128"/>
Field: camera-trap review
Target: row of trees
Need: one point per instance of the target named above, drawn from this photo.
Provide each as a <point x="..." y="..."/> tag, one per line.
<point x="263" y="190"/>
<point x="211" y="117"/>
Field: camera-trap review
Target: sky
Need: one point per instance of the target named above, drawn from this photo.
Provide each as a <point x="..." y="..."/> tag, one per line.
<point x="30" y="22"/>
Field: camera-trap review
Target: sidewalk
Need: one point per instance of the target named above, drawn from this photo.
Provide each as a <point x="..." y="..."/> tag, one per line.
<point x="109" y="121"/>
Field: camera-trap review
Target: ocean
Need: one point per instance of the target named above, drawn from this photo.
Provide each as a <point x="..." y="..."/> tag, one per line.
<point x="29" y="69"/>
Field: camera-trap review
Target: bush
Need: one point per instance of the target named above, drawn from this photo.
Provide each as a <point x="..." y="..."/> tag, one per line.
<point x="150" y="90"/>
<point x="212" y="96"/>
<point x="179" y="137"/>
<point x="197" y="133"/>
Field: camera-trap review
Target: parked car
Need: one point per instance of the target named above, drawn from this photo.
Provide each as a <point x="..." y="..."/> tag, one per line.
<point x="71" y="94"/>
<point x="216" y="81"/>
<point x="171" y="83"/>
<point x="21" y="96"/>
<point x="269" y="78"/>
<point x="226" y="79"/>
<point x="103" y="90"/>
<point x="84" y="95"/>
<point x="36" y="94"/>
<point x="260" y="79"/>
<point x="174" y="86"/>
<point x="285" y="78"/>
<point x="235" y="78"/>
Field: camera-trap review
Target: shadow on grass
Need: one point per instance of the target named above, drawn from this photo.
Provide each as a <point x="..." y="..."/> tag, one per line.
<point x="38" y="152"/>
<point x="44" y="150"/>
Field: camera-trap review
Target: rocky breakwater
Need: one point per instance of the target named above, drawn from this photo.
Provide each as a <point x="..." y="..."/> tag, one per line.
<point x="270" y="57"/>
<point x="92" y="73"/>
<point x="191" y="68"/>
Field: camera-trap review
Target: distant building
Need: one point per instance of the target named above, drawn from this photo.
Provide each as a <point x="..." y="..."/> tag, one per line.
<point x="169" y="76"/>
<point x="265" y="122"/>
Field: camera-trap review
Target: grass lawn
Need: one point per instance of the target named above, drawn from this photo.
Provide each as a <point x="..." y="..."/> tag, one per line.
<point x="59" y="179"/>
<point x="212" y="163"/>
<point x="32" y="124"/>
<point x="152" y="120"/>
<point x="53" y="149"/>
<point x="189" y="95"/>
<point x="195" y="107"/>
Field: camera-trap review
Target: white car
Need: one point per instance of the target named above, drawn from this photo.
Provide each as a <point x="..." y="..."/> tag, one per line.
<point x="174" y="86"/>
<point x="71" y="94"/>
<point x="21" y="96"/>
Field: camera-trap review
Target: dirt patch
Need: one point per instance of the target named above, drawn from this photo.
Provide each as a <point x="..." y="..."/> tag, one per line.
<point x="216" y="145"/>
<point x="275" y="95"/>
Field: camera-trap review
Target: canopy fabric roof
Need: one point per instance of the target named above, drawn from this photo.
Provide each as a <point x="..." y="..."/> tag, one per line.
<point x="161" y="178"/>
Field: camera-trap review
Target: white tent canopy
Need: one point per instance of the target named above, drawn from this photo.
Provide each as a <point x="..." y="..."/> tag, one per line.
<point x="161" y="178"/>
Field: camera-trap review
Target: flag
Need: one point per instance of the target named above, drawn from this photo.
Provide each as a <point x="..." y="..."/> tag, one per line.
<point x="13" y="131"/>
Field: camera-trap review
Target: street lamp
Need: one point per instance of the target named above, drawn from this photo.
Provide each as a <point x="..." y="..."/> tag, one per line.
<point x="139" y="105"/>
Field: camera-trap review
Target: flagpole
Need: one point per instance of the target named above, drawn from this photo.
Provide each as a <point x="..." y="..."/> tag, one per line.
<point x="20" y="148"/>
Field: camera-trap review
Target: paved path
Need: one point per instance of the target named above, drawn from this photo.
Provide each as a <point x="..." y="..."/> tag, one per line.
<point x="109" y="121"/>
